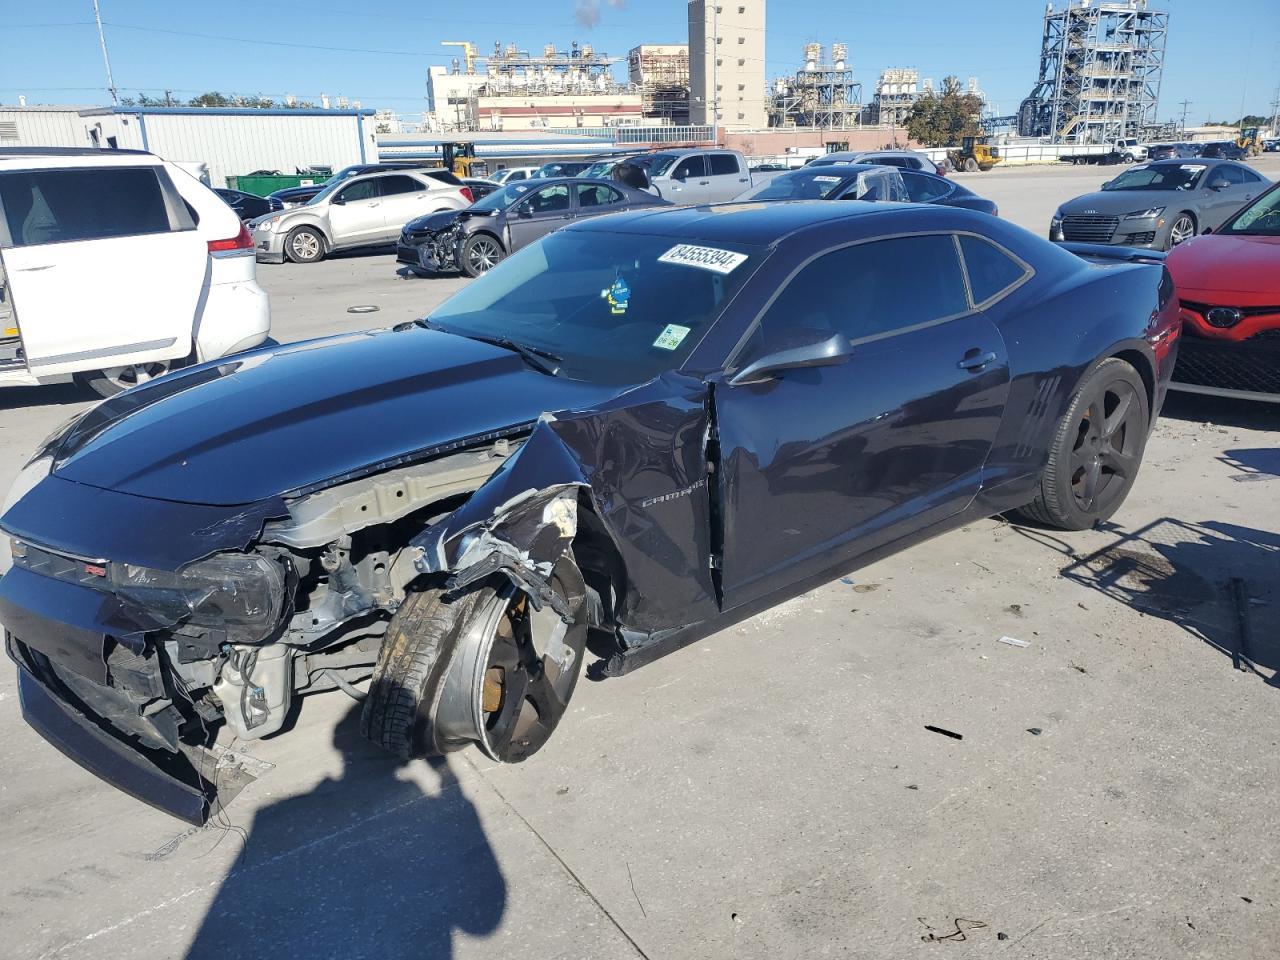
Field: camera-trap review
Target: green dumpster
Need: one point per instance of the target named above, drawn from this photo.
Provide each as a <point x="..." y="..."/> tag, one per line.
<point x="262" y="186"/>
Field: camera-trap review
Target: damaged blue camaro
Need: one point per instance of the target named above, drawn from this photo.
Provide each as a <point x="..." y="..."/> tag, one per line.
<point x="638" y="431"/>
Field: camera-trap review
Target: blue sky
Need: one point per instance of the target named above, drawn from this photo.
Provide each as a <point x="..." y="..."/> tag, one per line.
<point x="1217" y="51"/>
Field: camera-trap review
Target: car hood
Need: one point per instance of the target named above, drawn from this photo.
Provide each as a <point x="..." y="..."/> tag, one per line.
<point x="1116" y="203"/>
<point x="433" y="222"/>
<point x="1227" y="264"/>
<point x="287" y="418"/>
<point x="294" y="194"/>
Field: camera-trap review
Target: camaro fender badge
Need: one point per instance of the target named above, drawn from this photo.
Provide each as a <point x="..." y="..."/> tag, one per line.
<point x="705" y="258"/>
<point x="675" y="494"/>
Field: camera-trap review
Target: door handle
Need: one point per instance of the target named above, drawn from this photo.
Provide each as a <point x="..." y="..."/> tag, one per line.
<point x="704" y="183"/>
<point x="43" y="266"/>
<point x="374" y="204"/>
<point x="976" y="361"/>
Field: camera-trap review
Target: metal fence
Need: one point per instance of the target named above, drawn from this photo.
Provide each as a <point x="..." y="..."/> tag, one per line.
<point x="697" y="133"/>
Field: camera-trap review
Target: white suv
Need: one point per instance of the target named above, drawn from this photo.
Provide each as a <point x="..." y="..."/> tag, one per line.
<point x="364" y="211"/>
<point x="116" y="266"/>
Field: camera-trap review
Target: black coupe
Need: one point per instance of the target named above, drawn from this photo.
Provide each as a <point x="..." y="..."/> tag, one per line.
<point x="640" y="430"/>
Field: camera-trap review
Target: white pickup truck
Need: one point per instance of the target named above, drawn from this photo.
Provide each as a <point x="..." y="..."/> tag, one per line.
<point x="1124" y="150"/>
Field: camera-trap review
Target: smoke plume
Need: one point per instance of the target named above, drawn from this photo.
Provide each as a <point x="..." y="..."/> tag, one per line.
<point x="587" y="12"/>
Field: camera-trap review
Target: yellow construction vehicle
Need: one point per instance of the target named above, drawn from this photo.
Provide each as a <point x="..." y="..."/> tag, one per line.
<point x="462" y="160"/>
<point x="975" y="153"/>
<point x="1250" y="141"/>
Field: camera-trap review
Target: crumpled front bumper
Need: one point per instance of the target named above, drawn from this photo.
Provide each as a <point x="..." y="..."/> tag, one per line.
<point x="83" y="739"/>
<point x="56" y="634"/>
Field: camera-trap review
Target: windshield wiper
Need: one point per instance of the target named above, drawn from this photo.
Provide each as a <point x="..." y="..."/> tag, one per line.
<point x="544" y="361"/>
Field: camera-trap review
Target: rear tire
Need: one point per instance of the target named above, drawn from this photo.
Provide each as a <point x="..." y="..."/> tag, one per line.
<point x="1095" y="451"/>
<point x="304" y="245"/>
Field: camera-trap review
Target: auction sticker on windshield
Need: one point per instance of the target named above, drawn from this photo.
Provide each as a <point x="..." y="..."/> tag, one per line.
<point x="826" y="179"/>
<point x="707" y="258"/>
<point x="671" y="337"/>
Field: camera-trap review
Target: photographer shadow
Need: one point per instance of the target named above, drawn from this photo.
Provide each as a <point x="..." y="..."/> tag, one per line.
<point x="367" y="864"/>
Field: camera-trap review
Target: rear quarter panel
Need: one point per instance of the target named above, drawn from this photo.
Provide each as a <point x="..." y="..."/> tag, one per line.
<point x="1057" y="328"/>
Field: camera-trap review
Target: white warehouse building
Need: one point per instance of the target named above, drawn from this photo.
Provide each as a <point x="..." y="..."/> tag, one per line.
<point x="232" y="141"/>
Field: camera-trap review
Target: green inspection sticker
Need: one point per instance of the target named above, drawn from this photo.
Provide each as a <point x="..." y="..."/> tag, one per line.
<point x="671" y="337"/>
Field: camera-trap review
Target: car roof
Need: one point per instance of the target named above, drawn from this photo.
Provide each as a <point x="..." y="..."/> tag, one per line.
<point x="757" y="223"/>
<point x="848" y="169"/>
<point x="24" y="158"/>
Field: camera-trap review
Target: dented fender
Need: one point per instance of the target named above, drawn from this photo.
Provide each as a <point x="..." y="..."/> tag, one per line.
<point x="639" y="464"/>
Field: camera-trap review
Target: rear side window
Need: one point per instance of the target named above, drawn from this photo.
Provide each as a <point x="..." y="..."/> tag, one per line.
<point x="991" y="270"/>
<point x="1233" y="175"/>
<point x="872" y="289"/>
<point x="400" y="184"/>
<point x="923" y="189"/>
<point x="59" y="206"/>
<point x="724" y="164"/>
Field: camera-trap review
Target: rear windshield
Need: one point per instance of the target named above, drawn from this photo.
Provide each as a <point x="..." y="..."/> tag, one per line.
<point x="617" y="308"/>
<point x="58" y="206"/>
<point x="806" y="184"/>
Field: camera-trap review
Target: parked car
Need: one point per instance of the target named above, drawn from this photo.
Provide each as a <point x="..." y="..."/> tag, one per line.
<point x="560" y="168"/>
<point x="906" y="159"/>
<point x="1229" y="291"/>
<point x="1158" y="205"/>
<point x="480" y="187"/>
<point x="1172" y="151"/>
<point x="476" y="239"/>
<point x="512" y="174"/>
<point x="695" y="176"/>
<point x="862" y="181"/>
<point x="1224" y="150"/>
<point x="1271" y="146"/>
<point x="362" y="211"/>
<point x="647" y="426"/>
<point x="115" y="267"/>
<point x="296" y="196"/>
<point x="248" y="205"/>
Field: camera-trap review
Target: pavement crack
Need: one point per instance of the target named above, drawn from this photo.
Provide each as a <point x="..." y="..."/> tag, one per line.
<point x="560" y="860"/>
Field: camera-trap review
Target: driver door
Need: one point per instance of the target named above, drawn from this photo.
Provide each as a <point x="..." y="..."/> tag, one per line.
<point x="538" y="214"/>
<point x="688" y="182"/>
<point x="820" y="465"/>
<point x="355" y="214"/>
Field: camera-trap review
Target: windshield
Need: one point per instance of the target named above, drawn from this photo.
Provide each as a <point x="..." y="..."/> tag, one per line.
<point x="617" y="308"/>
<point x="503" y="198"/>
<point x="808" y="184"/>
<point x="657" y="163"/>
<point x="330" y="188"/>
<point x="1261" y="219"/>
<point x="1174" y="176"/>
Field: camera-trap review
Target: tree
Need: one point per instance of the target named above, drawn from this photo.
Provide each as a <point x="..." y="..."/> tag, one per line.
<point x="216" y="99"/>
<point x="939" y="121"/>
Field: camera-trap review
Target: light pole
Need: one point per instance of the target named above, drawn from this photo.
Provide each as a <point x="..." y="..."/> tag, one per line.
<point x="714" y="73"/>
<point x="102" y="40"/>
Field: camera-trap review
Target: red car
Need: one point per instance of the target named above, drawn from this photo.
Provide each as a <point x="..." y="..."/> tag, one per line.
<point x="1228" y="285"/>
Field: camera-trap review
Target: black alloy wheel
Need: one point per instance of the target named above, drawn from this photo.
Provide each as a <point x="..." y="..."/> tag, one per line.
<point x="1095" y="452"/>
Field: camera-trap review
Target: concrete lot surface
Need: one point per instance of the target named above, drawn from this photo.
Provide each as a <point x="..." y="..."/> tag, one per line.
<point x="773" y="790"/>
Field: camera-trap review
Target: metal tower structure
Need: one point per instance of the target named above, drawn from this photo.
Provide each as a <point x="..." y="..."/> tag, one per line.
<point x="821" y="94"/>
<point x="1100" y="68"/>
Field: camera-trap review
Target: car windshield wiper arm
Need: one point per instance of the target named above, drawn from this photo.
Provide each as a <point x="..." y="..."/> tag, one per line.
<point x="544" y="361"/>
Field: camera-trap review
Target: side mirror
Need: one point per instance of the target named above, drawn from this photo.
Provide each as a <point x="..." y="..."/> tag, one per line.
<point x="680" y="175"/>
<point x="1219" y="185"/>
<point x="1207" y="230"/>
<point x="1107" y="183"/>
<point x="523" y="212"/>
<point x="338" y="202"/>
<point x="807" y="348"/>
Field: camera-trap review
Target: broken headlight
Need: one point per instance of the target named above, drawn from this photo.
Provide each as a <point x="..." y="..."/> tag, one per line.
<point x="241" y="594"/>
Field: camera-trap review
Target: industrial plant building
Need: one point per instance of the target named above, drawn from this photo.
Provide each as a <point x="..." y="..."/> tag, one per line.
<point x="822" y="93"/>
<point x="660" y="72"/>
<point x="726" y="64"/>
<point x="1100" y="69"/>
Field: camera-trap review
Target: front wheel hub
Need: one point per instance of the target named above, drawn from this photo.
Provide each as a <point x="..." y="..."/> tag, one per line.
<point x="511" y="676"/>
